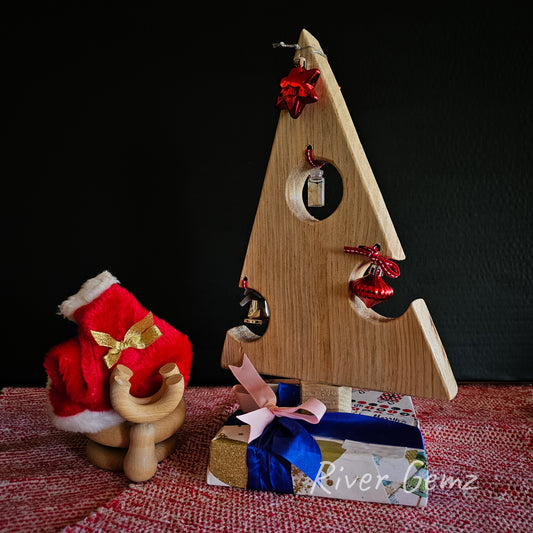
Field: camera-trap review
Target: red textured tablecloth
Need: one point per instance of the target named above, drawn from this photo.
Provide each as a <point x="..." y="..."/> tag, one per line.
<point x="481" y="441"/>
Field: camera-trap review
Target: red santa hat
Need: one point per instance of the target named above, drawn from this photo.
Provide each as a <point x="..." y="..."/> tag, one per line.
<point x="79" y="368"/>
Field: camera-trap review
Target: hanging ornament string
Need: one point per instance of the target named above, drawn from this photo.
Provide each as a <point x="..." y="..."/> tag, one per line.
<point x="311" y="159"/>
<point x="386" y="265"/>
<point x="298" y="47"/>
<point x="248" y="293"/>
<point x="315" y="183"/>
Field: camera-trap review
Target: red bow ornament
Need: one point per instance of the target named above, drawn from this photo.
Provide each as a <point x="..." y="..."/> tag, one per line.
<point x="297" y="90"/>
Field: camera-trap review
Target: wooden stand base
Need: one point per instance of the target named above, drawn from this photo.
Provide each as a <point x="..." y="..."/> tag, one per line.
<point x="336" y="398"/>
<point x="148" y="434"/>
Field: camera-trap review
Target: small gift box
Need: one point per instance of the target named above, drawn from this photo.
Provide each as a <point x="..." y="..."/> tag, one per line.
<point x="374" y="453"/>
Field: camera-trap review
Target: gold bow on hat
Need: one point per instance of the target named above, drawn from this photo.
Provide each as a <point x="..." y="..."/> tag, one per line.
<point x="139" y="336"/>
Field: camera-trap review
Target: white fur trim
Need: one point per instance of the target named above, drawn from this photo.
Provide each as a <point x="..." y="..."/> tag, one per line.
<point x="84" y="422"/>
<point x="89" y="291"/>
<point x="87" y="421"/>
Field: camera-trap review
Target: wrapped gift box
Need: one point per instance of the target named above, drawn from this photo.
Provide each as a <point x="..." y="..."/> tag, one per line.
<point x="349" y="469"/>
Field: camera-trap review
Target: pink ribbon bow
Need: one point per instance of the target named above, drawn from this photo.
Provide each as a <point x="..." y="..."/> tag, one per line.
<point x="260" y="400"/>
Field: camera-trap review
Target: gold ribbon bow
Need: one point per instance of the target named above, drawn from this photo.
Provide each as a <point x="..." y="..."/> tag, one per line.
<point x="140" y="335"/>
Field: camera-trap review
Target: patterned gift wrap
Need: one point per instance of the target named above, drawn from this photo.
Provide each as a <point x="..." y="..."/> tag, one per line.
<point x="349" y="469"/>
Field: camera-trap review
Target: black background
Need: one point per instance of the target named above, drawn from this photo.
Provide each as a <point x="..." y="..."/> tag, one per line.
<point x="136" y="139"/>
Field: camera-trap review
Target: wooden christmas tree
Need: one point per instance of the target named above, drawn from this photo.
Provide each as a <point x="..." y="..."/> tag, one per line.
<point x="317" y="331"/>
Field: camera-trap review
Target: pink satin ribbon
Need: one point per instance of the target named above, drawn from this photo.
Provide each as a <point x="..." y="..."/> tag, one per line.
<point x="261" y="400"/>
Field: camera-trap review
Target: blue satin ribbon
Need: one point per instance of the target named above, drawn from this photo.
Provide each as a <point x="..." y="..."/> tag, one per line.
<point x="350" y="426"/>
<point x="269" y="457"/>
<point x="287" y="441"/>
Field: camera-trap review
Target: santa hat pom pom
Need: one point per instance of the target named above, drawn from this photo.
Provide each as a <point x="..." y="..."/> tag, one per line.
<point x="88" y="292"/>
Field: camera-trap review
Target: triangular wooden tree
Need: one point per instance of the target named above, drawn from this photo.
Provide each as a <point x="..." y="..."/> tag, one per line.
<point x="316" y="331"/>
